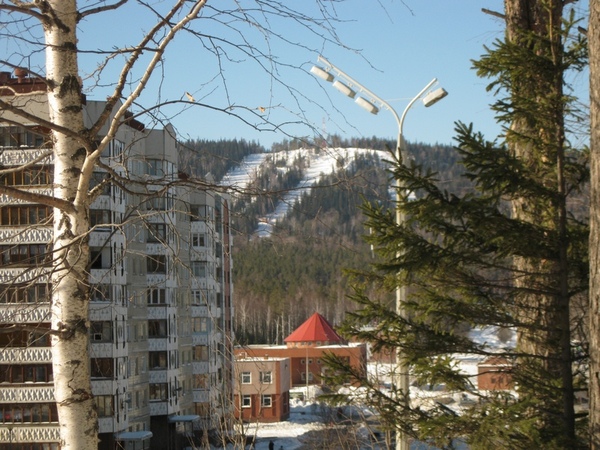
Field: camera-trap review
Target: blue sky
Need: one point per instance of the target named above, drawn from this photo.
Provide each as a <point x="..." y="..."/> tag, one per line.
<point x="392" y="47"/>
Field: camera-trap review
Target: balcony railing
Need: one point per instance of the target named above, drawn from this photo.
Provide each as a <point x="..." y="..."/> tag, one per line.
<point x="27" y="394"/>
<point x="26" y="355"/>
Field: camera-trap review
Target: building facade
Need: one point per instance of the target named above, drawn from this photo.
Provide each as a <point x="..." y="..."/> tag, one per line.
<point x="305" y="347"/>
<point x="262" y="389"/>
<point x="161" y="291"/>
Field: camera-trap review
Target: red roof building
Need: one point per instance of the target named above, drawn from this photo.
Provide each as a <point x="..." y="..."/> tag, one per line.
<point x="305" y="347"/>
<point x="316" y="331"/>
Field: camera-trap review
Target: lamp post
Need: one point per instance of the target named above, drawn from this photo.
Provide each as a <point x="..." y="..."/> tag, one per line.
<point x="373" y="103"/>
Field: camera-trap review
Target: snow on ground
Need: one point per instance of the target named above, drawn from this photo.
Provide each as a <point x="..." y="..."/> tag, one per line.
<point x="242" y="175"/>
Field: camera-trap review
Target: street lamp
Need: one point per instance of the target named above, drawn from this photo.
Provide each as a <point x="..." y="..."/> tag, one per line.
<point x="373" y="103"/>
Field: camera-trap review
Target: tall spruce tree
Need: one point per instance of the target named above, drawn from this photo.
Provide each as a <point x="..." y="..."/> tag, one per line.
<point x="594" y="322"/>
<point x="512" y="254"/>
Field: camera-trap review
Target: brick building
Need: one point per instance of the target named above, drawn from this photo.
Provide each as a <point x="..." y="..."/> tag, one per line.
<point x="262" y="389"/>
<point x="306" y="347"/>
<point x="494" y="374"/>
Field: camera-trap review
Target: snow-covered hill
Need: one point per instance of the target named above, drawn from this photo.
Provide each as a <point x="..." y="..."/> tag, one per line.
<point x="318" y="162"/>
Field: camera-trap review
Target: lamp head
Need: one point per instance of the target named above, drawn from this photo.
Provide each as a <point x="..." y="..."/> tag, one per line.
<point x="434" y="96"/>
<point x="344" y="88"/>
<point x="366" y="104"/>
<point x="321" y="73"/>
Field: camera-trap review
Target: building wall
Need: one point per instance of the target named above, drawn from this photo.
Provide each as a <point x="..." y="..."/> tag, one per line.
<point x="356" y="354"/>
<point x="494" y="374"/>
<point x="249" y="396"/>
<point x="147" y="348"/>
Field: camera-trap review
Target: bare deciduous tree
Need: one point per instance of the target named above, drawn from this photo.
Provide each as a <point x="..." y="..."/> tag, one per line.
<point x="53" y="28"/>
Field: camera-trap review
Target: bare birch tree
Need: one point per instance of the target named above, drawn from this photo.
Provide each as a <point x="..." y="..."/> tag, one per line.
<point x="54" y="27"/>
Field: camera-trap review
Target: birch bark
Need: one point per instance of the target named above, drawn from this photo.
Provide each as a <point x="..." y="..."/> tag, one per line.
<point x="70" y="293"/>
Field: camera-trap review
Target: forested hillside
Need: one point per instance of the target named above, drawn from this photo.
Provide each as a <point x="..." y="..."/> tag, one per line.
<point x="281" y="280"/>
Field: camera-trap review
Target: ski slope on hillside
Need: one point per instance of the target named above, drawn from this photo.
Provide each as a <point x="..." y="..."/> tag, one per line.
<point x="318" y="162"/>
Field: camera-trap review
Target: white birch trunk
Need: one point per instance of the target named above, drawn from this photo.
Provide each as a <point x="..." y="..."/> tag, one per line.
<point x="70" y="298"/>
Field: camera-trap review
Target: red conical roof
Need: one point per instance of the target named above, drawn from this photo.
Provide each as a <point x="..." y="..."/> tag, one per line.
<point x="315" y="329"/>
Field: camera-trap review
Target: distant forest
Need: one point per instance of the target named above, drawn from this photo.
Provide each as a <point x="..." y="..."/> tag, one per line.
<point x="280" y="281"/>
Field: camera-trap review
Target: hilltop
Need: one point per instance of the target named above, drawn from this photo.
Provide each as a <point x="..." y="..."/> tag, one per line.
<point x="298" y="223"/>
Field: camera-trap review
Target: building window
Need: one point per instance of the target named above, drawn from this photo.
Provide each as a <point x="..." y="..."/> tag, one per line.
<point x="14" y="136"/>
<point x="104" y="405"/>
<point x="203" y="297"/>
<point x="100" y="258"/>
<point x="28" y="413"/>
<point x="100" y="293"/>
<point x="157" y="328"/>
<point x="156" y="167"/>
<point x="25" y="254"/>
<point x="158" y="360"/>
<point x="246" y="378"/>
<point x="158" y="391"/>
<point x="201" y="381"/>
<point x="25" y="215"/>
<point x="24" y="293"/>
<point x="102" y="368"/>
<point x="101" y="178"/>
<point x="200" y="324"/>
<point x="157" y="296"/>
<point x="201" y="353"/>
<point x="101" y="331"/>
<point x="100" y="218"/>
<point x="247" y="401"/>
<point x="160" y="203"/>
<point x="28" y="177"/>
<point x="198" y="240"/>
<point x="40" y="337"/>
<point x="156" y="264"/>
<point x="266" y="377"/>
<point x="199" y="269"/>
<point x="34" y="373"/>
<point x="157" y="232"/>
<point x="303" y="376"/>
<point x="265" y="401"/>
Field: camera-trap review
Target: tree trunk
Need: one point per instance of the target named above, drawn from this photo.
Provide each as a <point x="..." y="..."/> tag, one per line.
<point x="70" y="295"/>
<point x="594" y="310"/>
<point x="544" y="333"/>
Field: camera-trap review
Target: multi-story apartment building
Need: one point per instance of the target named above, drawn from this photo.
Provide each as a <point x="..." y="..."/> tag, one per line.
<point x="161" y="291"/>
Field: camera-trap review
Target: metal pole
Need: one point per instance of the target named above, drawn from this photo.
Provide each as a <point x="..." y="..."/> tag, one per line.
<point x="402" y="440"/>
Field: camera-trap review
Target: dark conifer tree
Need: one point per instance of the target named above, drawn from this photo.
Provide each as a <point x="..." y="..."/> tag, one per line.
<point x="509" y="254"/>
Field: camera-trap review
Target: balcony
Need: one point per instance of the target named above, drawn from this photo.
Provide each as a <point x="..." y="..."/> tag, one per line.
<point x="12" y="156"/>
<point x="26" y="313"/>
<point x="26" y="355"/>
<point x="30" y="434"/>
<point x="30" y="393"/>
<point x="17" y="235"/>
<point x="158" y="408"/>
<point x="200" y="339"/>
<point x="201" y="395"/>
<point x="24" y="275"/>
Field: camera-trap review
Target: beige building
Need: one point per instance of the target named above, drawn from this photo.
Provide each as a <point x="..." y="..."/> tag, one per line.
<point x="262" y="389"/>
<point x="161" y="301"/>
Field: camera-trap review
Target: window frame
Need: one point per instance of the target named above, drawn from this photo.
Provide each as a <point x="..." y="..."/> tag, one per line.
<point x="266" y="377"/>
<point x="246" y="401"/>
<point x="266" y="401"/>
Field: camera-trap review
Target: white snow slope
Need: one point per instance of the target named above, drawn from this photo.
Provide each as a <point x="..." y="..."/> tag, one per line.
<point x="319" y="162"/>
